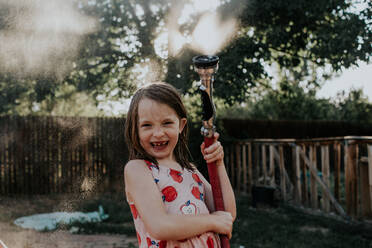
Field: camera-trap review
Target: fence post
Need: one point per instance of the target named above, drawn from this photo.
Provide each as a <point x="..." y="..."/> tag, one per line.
<point x="256" y="170"/>
<point x="244" y="158"/>
<point x="351" y="179"/>
<point x="305" y="190"/>
<point x="264" y="169"/>
<point x="3" y="163"/>
<point x="325" y="173"/>
<point x="313" y="186"/>
<point x="337" y="170"/>
<point x="250" y="176"/>
<point x="232" y="164"/>
<point x="369" y="148"/>
<point x="239" y="167"/>
<point x="365" y="188"/>
<point x="297" y="167"/>
<point x="272" y="167"/>
<point x="282" y="175"/>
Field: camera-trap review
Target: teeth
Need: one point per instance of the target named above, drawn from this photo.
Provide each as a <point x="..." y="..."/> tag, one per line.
<point x="160" y="143"/>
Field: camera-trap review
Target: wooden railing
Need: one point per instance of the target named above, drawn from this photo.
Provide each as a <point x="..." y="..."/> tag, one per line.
<point x="330" y="174"/>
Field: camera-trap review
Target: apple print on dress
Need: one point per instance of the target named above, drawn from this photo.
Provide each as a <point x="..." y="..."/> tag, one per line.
<point x="139" y="239"/>
<point x="162" y="244"/>
<point x="210" y="242"/>
<point x="176" y="175"/>
<point x="197" y="179"/>
<point x="188" y="208"/>
<point x="169" y="194"/>
<point x="151" y="165"/>
<point x="149" y="242"/>
<point x="196" y="192"/>
<point x="133" y="209"/>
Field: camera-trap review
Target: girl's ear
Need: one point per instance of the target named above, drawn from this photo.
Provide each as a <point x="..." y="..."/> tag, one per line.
<point x="183" y="122"/>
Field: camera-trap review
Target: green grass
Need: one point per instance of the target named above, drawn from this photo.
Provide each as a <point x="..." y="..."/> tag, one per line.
<point x="289" y="227"/>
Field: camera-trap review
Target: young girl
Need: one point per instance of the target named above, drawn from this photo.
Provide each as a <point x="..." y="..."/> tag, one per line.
<point x="170" y="200"/>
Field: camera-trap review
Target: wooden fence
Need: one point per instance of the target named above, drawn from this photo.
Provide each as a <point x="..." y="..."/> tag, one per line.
<point x="330" y="174"/>
<point x="42" y="155"/>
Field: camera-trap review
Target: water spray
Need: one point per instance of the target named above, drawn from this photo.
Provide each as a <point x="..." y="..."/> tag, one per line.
<point x="206" y="66"/>
<point x="2" y="245"/>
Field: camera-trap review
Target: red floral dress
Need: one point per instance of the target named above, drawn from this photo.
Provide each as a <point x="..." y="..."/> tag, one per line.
<point x="182" y="193"/>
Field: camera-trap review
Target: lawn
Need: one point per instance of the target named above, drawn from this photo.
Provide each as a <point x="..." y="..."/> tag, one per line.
<point x="284" y="226"/>
<point x="287" y="226"/>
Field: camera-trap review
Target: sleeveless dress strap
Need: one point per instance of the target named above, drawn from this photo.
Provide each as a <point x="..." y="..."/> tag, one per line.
<point x="151" y="165"/>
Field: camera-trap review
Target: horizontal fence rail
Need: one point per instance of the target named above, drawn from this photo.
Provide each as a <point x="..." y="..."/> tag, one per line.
<point x="330" y="174"/>
<point x="42" y="155"/>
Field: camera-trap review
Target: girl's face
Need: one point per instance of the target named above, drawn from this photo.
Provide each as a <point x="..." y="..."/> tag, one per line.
<point x="158" y="129"/>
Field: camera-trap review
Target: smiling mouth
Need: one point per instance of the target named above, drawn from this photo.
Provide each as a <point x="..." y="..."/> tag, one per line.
<point x="159" y="144"/>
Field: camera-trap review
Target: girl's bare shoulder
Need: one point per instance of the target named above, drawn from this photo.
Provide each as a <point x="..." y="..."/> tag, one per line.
<point x="135" y="162"/>
<point x="134" y="167"/>
<point x="139" y="182"/>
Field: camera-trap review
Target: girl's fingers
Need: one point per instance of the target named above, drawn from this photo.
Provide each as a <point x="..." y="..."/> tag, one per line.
<point x="215" y="155"/>
<point x="202" y="147"/>
<point x="213" y="152"/>
<point x="212" y="148"/>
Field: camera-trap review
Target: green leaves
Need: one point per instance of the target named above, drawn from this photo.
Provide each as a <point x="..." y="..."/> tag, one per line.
<point x="300" y="37"/>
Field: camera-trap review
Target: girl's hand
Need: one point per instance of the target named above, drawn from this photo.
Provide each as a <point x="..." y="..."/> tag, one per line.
<point x="224" y="223"/>
<point x="213" y="153"/>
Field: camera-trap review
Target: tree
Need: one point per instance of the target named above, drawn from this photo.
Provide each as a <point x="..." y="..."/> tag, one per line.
<point x="292" y="102"/>
<point x="354" y="107"/>
<point x="299" y="36"/>
<point x="38" y="43"/>
<point x="125" y="39"/>
<point x="288" y="102"/>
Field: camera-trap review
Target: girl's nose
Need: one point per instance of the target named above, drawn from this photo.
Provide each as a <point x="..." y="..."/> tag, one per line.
<point x="158" y="132"/>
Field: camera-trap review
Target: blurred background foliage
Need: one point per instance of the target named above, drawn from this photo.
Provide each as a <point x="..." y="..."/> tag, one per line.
<point x="304" y="42"/>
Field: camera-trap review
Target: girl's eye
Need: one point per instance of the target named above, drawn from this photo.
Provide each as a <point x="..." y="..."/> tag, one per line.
<point x="168" y="123"/>
<point x="145" y="125"/>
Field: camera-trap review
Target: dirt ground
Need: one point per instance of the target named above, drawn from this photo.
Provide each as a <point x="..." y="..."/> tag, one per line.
<point x="14" y="237"/>
<point x="17" y="237"/>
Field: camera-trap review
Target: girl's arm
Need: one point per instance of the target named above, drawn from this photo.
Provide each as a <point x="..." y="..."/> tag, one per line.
<point x="214" y="153"/>
<point x="142" y="190"/>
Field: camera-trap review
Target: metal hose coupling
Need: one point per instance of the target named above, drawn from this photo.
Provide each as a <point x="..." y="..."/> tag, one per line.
<point x="206" y="66"/>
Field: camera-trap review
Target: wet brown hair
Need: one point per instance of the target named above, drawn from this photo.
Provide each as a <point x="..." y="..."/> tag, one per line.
<point x="162" y="93"/>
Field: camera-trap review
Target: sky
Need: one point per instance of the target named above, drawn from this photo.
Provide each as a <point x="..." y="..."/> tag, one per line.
<point x="359" y="77"/>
